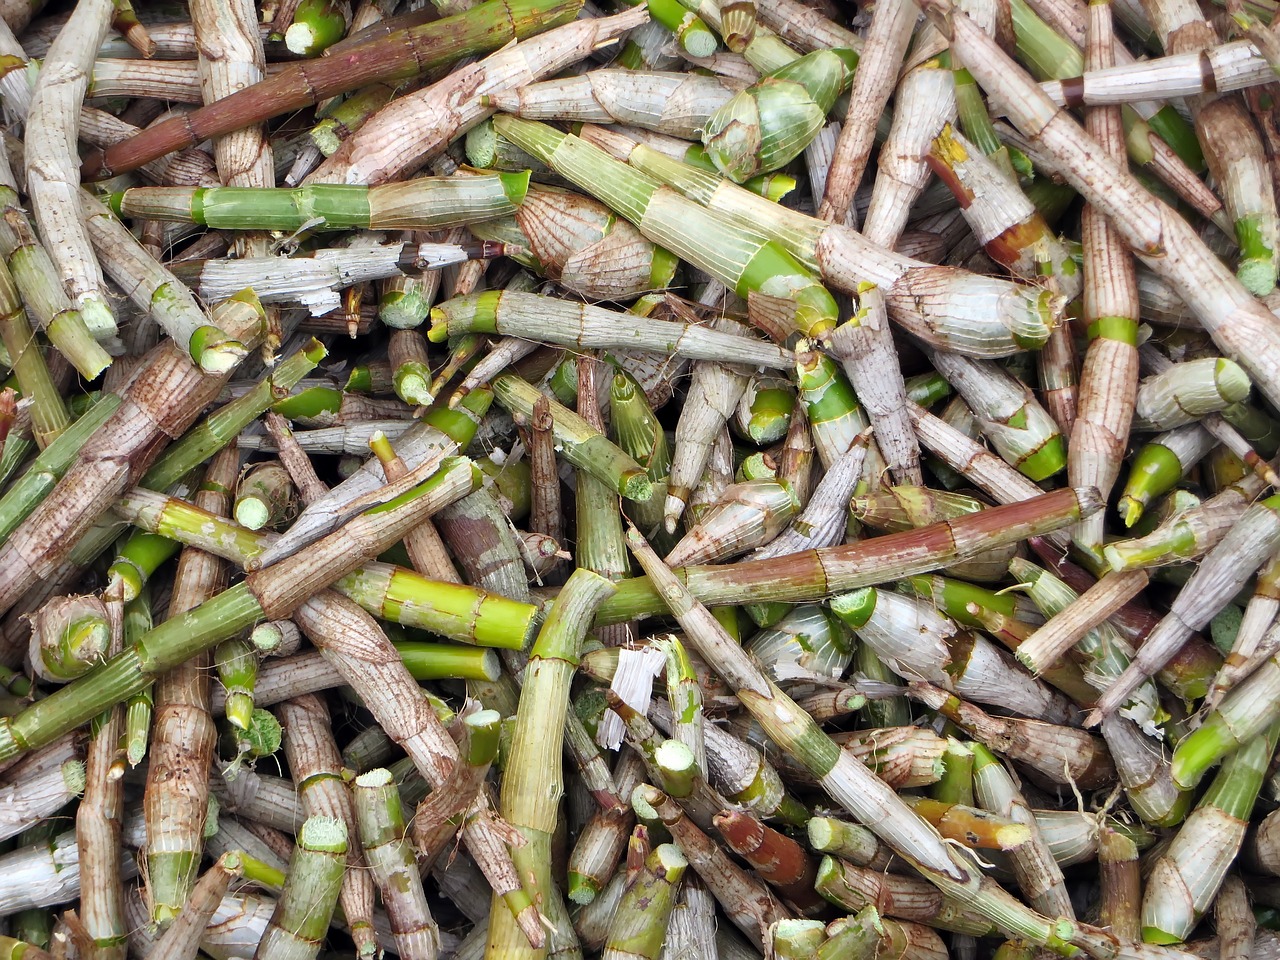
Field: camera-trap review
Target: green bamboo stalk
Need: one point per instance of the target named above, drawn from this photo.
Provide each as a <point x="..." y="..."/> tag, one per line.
<point x="425" y="203"/>
<point x="582" y="445"/>
<point x="264" y="595"/>
<point x="845" y="779"/>
<point x="300" y="924"/>
<point x="138" y="558"/>
<point x="317" y="25"/>
<point x="532" y="783"/>
<point x="49" y="466"/>
<point x="452" y="610"/>
<point x="236" y="661"/>
<point x="138" y="708"/>
<point x="741" y="259"/>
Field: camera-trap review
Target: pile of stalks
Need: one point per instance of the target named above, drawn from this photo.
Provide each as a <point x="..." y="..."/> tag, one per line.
<point x="516" y="479"/>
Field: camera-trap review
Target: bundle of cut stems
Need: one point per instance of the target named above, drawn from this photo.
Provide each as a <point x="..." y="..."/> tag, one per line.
<point x="378" y="661"/>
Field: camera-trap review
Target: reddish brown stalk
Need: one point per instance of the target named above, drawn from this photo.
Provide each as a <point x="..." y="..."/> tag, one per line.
<point x="544" y="482"/>
<point x="747" y="902"/>
<point x="1118" y="871"/>
<point x="396" y="57"/>
<point x="777" y="858"/>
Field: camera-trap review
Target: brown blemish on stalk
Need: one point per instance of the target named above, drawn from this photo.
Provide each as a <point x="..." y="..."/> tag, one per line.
<point x="1207" y="77"/>
<point x="1073" y="91"/>
<point x="1012" y="244"/>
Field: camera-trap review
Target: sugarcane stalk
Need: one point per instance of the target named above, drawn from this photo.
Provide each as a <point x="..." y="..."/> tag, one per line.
<point x="1222" y="68"/>
<point x="264" y="496"/>
<point x="438" y="433"/>
<point x="153" y="288"/>
<point x="1019" y="428"/>
<point x="98" y="831"/>
<point x="236" y="662"/>
<point x="262" y="596"/>
<point x="906" y="898"/>
<point x="844" y="778"/>
<point x="53" y="182"/>
<point x="823" y="521"/>
<point x="301" y="919"/>
<point x="49" y="416"/>
<point x="983" y="317"/>
<point x="135" y="732"/>
<point x="1248" y="544"/>
<point x="885" y="46"/>
<point x="1233" y="917"/>
<point x="639" y="926"/>
<point x="1186" y="391"/>
<point x="399" y="56"/>
<point x="182" y="745"/>
<point x="527" y="803"/>
<point x="221" y="426"/>
<point x="583" y="446"/>
<point x="425" y="203"/>
<point x="744" y="261"/>
<point x="161" y="403"/>
<point x="449" y="609"/>
<point x="914" y="640"/>
<point x="1187" y="877"/>
<point x="380" y="151"/>
<point x="316" y="764"/>
<point x="40" y="784"/>
<point x="70" y="635"/>
<point x="820" y="573"/>
<point x="36" y="278"/>
<point x="588" y="327"/>
<point x="315" y="278"/>
<point x="747" y="901"/>
<point x="382" y="832"/>
<point x="1160" y="237"/>
<point x="674" y="104"/>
